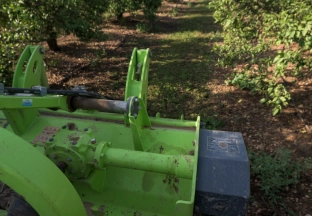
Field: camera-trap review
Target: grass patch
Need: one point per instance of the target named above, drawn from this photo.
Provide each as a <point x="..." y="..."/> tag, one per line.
<point x="276" y="172"/>
<point x="181" y="65"/>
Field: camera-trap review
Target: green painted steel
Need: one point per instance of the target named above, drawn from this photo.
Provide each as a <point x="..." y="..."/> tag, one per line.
<point x="137" y="124"/>
<point x="118" y="164"/>
<point x="82" y="154"/>
<point x="38" y="180"/>
<point x="137" y="79"/>
<point x="118" y="182"/>
<point x="180" y="166"/>
<point x="30" y="69"/>
<point x="32" y="102"/>
<point x="21" y="113"/>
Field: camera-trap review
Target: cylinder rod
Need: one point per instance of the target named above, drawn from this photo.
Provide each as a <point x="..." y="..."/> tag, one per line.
<point x="101" y="105"/>
<point x="179" y="165"/>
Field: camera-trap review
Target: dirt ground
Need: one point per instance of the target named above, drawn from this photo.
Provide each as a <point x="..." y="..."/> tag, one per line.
<point x="102" y="67"/>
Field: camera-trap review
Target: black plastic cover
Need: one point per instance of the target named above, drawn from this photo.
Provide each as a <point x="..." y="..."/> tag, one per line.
<point x="222" y="186"/>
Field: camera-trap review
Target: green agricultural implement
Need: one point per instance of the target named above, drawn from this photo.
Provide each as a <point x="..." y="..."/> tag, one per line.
<point x="75" y="153"/>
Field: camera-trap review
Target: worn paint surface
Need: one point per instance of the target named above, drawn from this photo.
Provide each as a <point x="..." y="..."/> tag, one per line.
<point x="126" y="190"/>
<point x="118" y="164"/>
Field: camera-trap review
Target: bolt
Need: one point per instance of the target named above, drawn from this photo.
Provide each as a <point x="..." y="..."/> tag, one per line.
<point x="68" y="159"/>
<point x="41" y="51"/>
<point x="93" y="141"/>
<point x="86" y="129"/>
<point x="136" y="99"/>
<point x="73" y="142"/>
<point x="63" y="127"/>
<point x="51" y="139"/>
<point x="54" y="157"/>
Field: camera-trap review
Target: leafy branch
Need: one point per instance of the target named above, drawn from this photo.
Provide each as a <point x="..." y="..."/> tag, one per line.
<point x="250" y="30"/>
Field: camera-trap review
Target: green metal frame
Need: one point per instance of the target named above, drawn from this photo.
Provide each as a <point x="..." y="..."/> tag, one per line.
<point x="39" y="181"/>
<point x="117" y="164"/>
<point x="30" y="70"/>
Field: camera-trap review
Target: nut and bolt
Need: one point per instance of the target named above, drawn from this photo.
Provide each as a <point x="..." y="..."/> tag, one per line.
<point x="73" y="142"/>
<point x="69" y="159"/>
<point x="93" y="141"/>
<point x="51" y="139"/>
<point x="86" y="129"/>
<point x="64" y="126"/>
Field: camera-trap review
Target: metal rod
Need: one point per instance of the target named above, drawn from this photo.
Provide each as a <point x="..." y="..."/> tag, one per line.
<point x="101" y="105"/>
<point x="178" y="165"/>
<point x="42" y="91"/>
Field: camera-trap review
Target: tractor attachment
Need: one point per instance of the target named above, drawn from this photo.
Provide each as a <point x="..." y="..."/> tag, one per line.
<point x="74" y="152"/>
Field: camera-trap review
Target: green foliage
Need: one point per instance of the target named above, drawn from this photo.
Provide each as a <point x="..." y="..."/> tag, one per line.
<point x="149" y="7"/>
<point x="277" y="172"/>
<point x="143" y="27"/>
<point x="213" y="122"/>
<point x="118" y="7"/>
<point x="11" y="40"/>
<point x="250" y="30"/>
<point x="9" y="54"/>
<point x="189" y="4"/>
<point x="174" y="11"/>
<point x="27" y="21"/>
<point x="44" y="20"/>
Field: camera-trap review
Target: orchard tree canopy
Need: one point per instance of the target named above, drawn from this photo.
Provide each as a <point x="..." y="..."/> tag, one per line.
<point x="118" y="7"/>
<point x="250" y="29"/>
<point x="45" y="19"/>
<point x="31" y="21"/>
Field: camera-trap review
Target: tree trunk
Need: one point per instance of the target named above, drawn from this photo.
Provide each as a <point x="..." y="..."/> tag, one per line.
<point x="119" y="16"/>
<point x="52" y="43"/>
